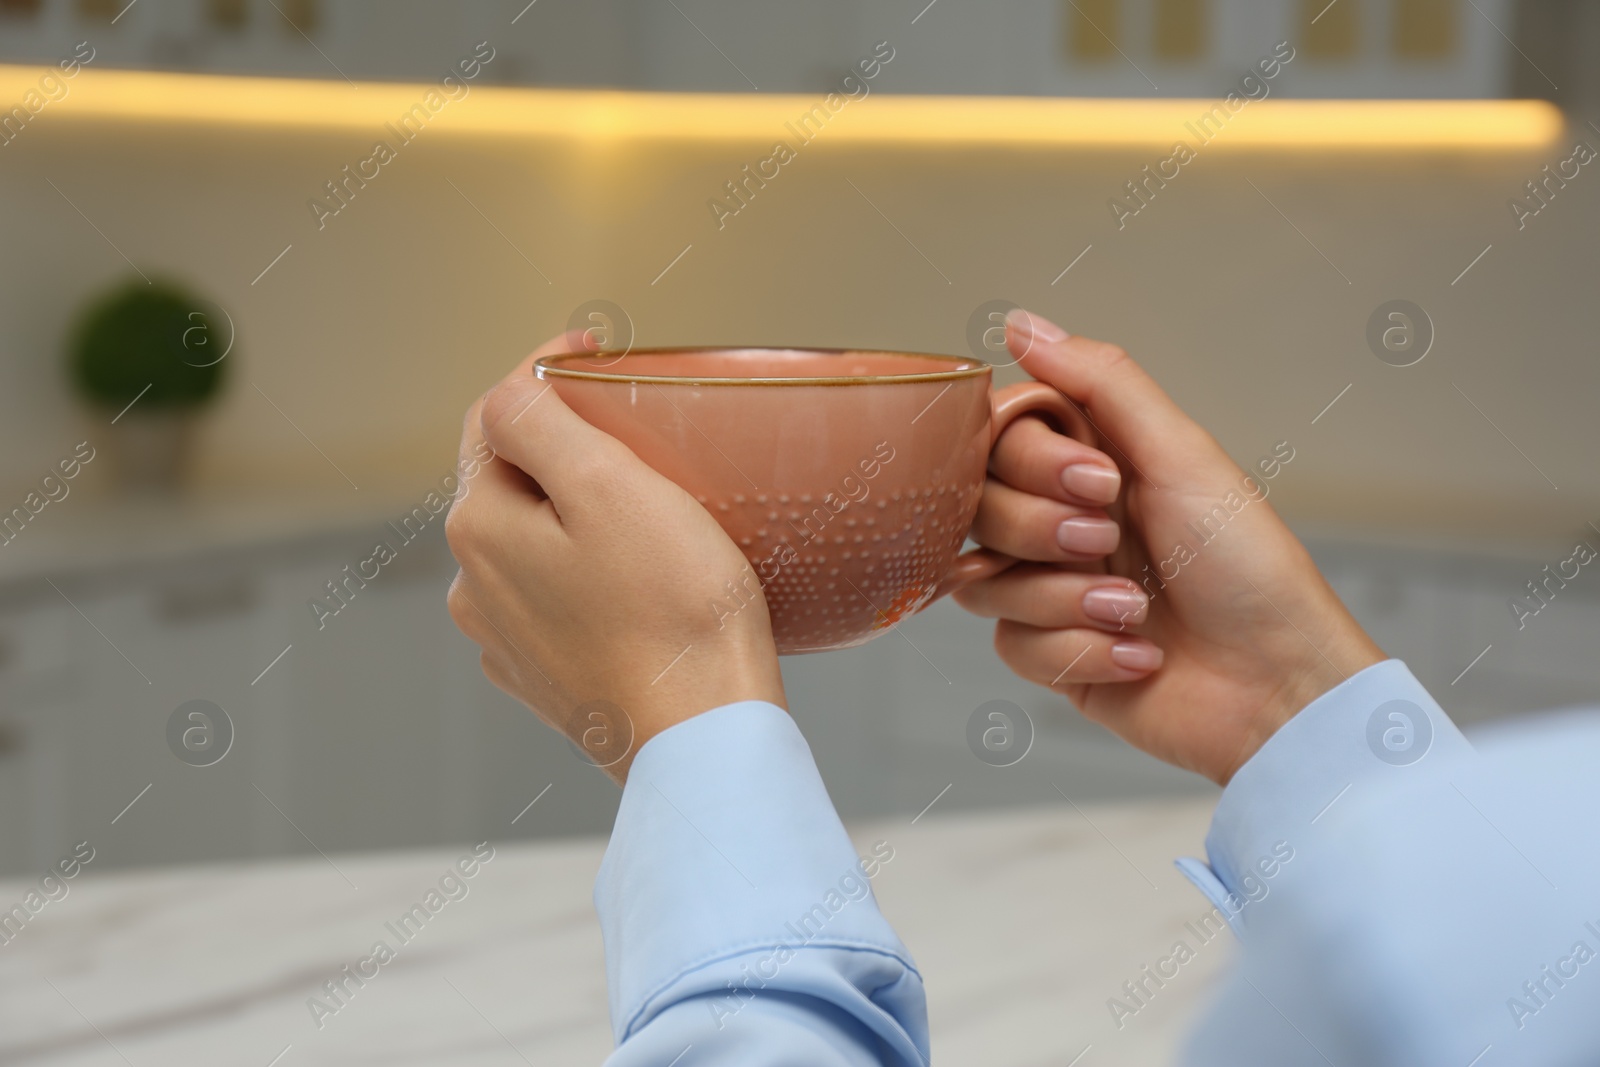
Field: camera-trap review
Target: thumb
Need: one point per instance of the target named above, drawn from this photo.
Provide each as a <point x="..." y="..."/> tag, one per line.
<point x="1130" y="411"/>
<point x="578" y="467"/>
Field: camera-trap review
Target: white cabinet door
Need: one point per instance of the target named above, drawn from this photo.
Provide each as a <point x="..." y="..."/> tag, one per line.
<point x="138" y="651"/>
<point x="358" y="700"/>
<point x="391" y="736"/>
<point x="34" y="693"/>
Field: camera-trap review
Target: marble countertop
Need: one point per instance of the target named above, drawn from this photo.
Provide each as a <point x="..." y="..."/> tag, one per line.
<point x="1023" y="921"/>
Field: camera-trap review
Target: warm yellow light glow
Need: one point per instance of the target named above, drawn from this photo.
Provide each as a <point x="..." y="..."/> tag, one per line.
<point x="609" y="115"/>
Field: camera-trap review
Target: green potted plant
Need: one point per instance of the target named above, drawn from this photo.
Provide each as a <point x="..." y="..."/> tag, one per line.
<point x="148" y="357"/>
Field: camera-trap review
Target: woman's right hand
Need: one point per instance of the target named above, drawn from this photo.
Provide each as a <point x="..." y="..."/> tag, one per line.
<point x="1249" y="630"/>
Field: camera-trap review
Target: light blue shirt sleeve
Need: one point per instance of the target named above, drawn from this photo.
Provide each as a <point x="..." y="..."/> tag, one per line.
<point x="739" y="921"/>
<point x="1403" y="898"/>
<point x="1312" y="764"/>
<point x="1406" y="898"/>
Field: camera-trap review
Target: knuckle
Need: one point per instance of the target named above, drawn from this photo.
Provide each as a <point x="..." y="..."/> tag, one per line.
<point x="605" y="473"/>
<point x="490" y="665"/>
<point x="498" y="403"/>
<point x="1007" y="645"/>
<point x="469" y="421"/>
<point x="591" y="467"/>
<point x="1013" y="656"/>
<point x="461" y="530"/>
<point x="974" y="599"/>
<point x="1017" y="444"/>
<point x="509" y="400"/>
<point x="460" y="610"/>
<point x="1112" y="357"/>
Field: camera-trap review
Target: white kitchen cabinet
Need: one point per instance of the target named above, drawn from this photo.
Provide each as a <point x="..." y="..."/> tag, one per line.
<point x="138" y="651"/>
<point x="34" y="689"/>
<point x="1441" y="611"/>
<point x="390" y="734"/>
<point x="380" y="731"/>
<point x="376" y="731"/>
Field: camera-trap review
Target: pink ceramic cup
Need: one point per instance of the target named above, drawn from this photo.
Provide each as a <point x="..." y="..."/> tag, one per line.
<point x="848" y="478"/>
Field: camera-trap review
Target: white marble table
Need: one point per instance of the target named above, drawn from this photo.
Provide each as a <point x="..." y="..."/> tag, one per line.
<point x="1024" y="922"/>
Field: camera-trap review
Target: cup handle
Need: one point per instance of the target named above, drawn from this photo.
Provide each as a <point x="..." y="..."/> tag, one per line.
<point x="1006" y="406"/>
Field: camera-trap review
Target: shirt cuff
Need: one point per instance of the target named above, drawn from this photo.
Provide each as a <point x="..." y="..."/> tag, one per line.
<point x="726" y="843"/>
<point x="1374" y="726"/>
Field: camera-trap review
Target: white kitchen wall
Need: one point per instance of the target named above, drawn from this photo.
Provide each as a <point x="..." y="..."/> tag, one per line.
<point x="1246" y="287"/>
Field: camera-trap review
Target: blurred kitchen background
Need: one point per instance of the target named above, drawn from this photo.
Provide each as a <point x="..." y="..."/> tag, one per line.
<point x="1432" y="493"/>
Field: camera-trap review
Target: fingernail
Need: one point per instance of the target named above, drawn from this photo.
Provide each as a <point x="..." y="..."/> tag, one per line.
<point x="1029" y="325"/>
<point x="1136" y="655"/>
<point x="1116" y="605"/>
<point x="1091" y="482"/>
<point x="1090" y="536"/>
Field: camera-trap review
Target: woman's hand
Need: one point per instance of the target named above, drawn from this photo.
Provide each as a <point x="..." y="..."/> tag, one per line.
<point x="590" y="581"/>
<point x="1224" y="628"/>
